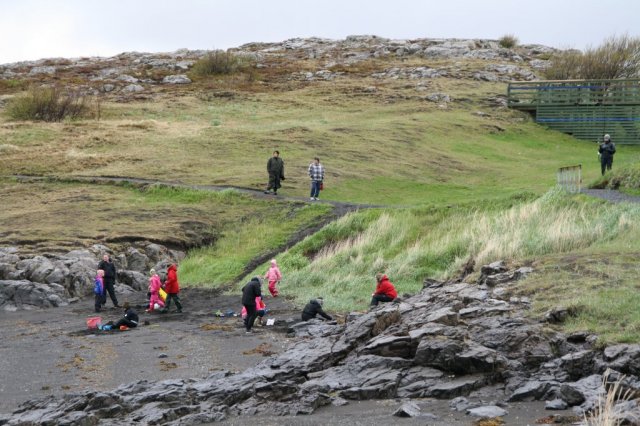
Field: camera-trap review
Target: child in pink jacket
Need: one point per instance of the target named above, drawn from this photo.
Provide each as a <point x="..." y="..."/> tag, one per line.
<point x="273" y="276"/>
<point x="154" y="291"/>
<point x="261" y="310"/>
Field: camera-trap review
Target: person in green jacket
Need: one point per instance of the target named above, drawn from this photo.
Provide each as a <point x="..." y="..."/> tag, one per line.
<point x="275" y="168"/>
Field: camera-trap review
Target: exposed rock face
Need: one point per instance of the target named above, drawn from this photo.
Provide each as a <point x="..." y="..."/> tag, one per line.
<point x="130" y="69"/>
<point x="48" y="281"/>
<point x="411" y="348"/>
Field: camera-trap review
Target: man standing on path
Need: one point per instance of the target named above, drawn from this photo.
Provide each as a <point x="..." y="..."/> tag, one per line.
<point x="275" y="168"/>
<point x="606" y="150"/>
<point x="249" y="294"/>
<point x="316" y="173"/>
<point x="109" y="280"/>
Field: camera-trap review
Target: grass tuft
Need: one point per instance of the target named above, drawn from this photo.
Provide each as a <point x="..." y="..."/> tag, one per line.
<point x="49" y="104"/>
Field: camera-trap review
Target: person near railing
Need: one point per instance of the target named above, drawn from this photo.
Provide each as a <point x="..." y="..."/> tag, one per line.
<point x="606" y="150"/>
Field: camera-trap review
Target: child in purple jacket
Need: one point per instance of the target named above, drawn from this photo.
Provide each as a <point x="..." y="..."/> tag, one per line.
<point x="98" y="288"/>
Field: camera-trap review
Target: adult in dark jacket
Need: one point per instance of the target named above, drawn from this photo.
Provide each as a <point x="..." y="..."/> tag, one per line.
<point x="606" y="150"/>
<point x="130" y="319"/>
<point x="249" y="293"/>
<point x="172" y="287"/>
<point x="109" y="269"/>
<point x="275" y="168"/>
<point x="313" y="308"/>
<point x="385" y="291"/>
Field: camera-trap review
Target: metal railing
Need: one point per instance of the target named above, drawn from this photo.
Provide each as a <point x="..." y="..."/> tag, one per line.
<point x="586" y="109"/>
<point x="570" y="178"/>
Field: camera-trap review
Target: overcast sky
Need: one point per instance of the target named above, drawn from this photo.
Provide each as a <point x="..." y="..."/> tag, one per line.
<point x="33" y="29"/>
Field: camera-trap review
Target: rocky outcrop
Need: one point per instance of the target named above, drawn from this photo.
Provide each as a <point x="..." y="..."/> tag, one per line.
<point x="416" y="347"/>
<point x="132" y="72"/>
<point x="45" y="281"/>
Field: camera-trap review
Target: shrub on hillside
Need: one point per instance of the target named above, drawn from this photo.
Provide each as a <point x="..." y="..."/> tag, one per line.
<point x="49" y="104"/>
<point x="617" y="57"/>
<point x="220" y="62"/>
<point x="508" y="41"/>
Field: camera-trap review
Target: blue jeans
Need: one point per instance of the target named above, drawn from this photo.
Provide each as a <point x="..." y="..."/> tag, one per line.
<point x="315" y="188"/>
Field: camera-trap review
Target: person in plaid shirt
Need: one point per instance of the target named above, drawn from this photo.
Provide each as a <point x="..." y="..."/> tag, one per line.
<point x="316" y="173"/>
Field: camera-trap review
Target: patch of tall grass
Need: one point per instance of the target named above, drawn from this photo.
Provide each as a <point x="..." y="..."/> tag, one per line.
<point x="413" y="244"/>
<point x="51" y="104"/>
<point x="236" y="247"/>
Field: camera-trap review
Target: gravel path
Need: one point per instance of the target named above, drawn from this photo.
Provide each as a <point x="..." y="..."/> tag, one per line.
<point x="611" y="195"/>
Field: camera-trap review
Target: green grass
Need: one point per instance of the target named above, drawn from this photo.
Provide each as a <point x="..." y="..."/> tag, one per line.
<point x="450" y="185"/>
<point x="339" y="262"/>
<point x="254" y="235"/>
<point x="599" y="285"/>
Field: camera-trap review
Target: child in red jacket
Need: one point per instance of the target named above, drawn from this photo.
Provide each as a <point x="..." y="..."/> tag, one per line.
<point x="172" y="287"/>
<point x="385" y="291"/>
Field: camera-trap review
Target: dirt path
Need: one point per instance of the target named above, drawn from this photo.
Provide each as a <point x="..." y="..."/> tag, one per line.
<point x="611" y="195"/>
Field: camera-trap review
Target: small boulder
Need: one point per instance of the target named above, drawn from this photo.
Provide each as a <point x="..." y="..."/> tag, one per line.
<point x="408" y="409"/>
<point x="487" y="412"/>
<point x="176" y="79"/>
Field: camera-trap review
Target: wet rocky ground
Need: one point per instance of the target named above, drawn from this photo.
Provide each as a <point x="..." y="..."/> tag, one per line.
<point x="51" y="352"/>
<point x="452" y="354"/>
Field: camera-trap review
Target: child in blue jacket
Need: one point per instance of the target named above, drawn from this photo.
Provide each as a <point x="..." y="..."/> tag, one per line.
<point x="98" y="288"/>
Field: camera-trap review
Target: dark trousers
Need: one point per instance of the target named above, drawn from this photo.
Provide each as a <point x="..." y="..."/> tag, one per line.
<point x="124" y="321"/>
<point x="315" y="188"/>
<point x="605" y="163"/>
<point x="175" y="297"/>
<point x="274" y="182"/>
<point x="98" y="302"/>
<point x="109" y="287"/>
<point x="377" y="298"/>
<point x="251" y="316"/>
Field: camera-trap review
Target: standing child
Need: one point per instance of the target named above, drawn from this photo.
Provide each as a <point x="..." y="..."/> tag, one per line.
<point x="98" y="288"/>
<point x="273" y="276"/>
<point x="172" y="287"/>
<point x="154" y="291"/>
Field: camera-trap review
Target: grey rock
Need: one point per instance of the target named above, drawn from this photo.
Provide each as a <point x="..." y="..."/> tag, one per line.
<point x="532" y="390"/>
<point x="417" y="380"/>
<point x="556" y="315"/>
<point x="439" y="97"/>
<point x="127" y="78"/>
<point x="391" y="346"/>
<point x="408" y="409"/>
<point x="108" y="87"/>
<point x="456" y="387"/>
<point x="133" y="88"/>
<point x="29" y="295"/>
<point x="133" y="279"/>
<point x="624" y="358"/>
<point x="137" y="261"/>
<point x="176" y="79"/>
<point x="444" y="316"/>
<point x="488" y="411"/>
<point x="556" y="404"/>
<point x="459" y="403"/>
<point x="578" y="364"/>
<point x="42" y="70"/>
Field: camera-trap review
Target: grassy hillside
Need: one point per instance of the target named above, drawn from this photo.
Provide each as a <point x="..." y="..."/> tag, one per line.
<point x="581" y="249"/>
<point x="456" y="181"/>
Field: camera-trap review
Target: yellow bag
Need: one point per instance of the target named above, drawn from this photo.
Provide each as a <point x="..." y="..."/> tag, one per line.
<point x="162" y="294"/>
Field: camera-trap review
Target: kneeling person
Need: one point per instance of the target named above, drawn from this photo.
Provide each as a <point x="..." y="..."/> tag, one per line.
<point x="385" y="291"/>
<point x="129" y="320"/>
<point x="313" y="308"/>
